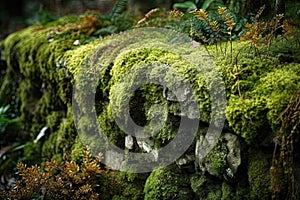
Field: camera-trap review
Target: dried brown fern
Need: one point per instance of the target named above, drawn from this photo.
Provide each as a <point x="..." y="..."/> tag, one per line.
<point x="68" y="180"/>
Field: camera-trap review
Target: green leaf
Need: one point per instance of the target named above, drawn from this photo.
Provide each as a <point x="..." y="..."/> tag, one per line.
<point x="3" y="109"/>
<point x="117" y="9"/>
<point x="187" y="5"/>
<point x="206" y="4"/>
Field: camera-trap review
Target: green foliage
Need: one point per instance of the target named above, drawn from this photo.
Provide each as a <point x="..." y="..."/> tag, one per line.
<point x="41" y="16"/>
<point x="167" y="183"/>
<point x="188" y="5"/>
<point x="263" y="32"/>
<point x="11" y="144"/>
<point x="192" y="5"/>
<point x="44" y="61"/>
<point x="117" y="9"/>
<point x="4" y="120"/>
<point x="210" y="27"/>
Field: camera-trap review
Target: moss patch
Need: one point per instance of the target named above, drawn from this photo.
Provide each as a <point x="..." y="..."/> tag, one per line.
<point x="167" y="183"/>
<point x="259" y="175"/>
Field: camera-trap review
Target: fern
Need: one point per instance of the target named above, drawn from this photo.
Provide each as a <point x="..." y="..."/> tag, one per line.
<point x="117" y="9"/>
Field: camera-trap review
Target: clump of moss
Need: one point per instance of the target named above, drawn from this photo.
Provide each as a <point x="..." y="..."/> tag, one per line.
<point x="205" y="188"/>
<point x="277" y="88"/>
<point x="131" y="186"/>
<point x="216" y="160"/>
<point x="259" y="175"/>
<point x="168" y="183"/>
<point x="246" y="117"/>
<point x="258" y="89"/>
<point x="59" y="143"/>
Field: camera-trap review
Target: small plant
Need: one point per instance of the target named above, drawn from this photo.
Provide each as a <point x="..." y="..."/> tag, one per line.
<point x="4" y="119"/>
<point x="67" y="180"/>
<point x="218" y="28"/>
<point x="10" y="145"/>
<point x="262" y="32"/>
<point x="192" y="5"/>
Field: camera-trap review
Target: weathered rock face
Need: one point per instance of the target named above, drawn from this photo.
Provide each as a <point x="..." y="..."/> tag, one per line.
<point x="224" y="158"/>
<point x="234" y="151"/>
<point x="45" y="63"/>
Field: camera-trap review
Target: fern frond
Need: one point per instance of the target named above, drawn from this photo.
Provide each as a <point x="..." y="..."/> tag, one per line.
<point x="118" y="8"/>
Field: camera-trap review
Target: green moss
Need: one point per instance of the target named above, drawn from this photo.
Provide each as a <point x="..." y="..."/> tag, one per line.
<point x="151" y="94"/>
<point x="227" y="192"/>
<point x="131" y="186"/>
<point x="53" y="120"/>
<point x="61" y="139"/>
<point x="258" y="89"/>
<point x="246" y="116"/>
<point x="216" y="159"/>
<point x="28" y="98"/>
<point x="37" y="67"/>
<point x="77" y="150"/>
<point x="167" y="183"/>
<point x="278" y="88"/>
<point x="205" y="188"/>
<point x="32" y="153"/>
<point x="259" y="175"/>
<point x="106" y="67"/>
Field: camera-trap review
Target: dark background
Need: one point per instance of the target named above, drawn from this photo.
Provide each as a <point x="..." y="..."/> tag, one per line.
<point x="17" y="14"/>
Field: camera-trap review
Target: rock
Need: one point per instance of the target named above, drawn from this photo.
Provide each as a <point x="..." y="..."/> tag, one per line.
<point x="182" y="94"/>
<point x="221" y="160"/>
<point x="145" y="144"/>
<point x="203" y="145"/>
<point x="115" y="159"/>
<point x="129" y="142"/>
<point x="185" y="160"/>
<point x="234" y="154"/>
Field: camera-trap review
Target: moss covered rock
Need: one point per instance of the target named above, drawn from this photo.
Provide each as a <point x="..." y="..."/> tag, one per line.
<point x="45" y="63"/>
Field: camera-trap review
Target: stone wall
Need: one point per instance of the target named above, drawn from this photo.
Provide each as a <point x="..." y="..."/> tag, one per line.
<point x="45" y="64"/>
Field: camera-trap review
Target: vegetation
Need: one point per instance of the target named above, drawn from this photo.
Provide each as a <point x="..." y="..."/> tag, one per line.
<point x="67" y="180"/>
<point x="256" y="53"/>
